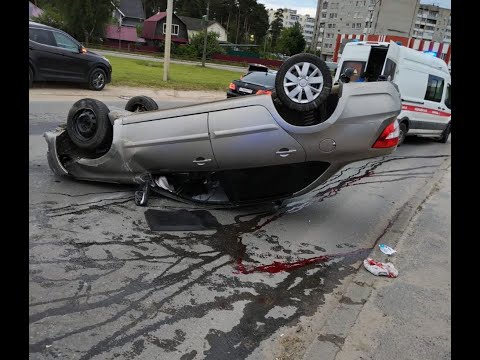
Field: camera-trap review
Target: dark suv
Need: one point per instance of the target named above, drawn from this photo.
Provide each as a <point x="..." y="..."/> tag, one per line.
<point x="56" y="56"/>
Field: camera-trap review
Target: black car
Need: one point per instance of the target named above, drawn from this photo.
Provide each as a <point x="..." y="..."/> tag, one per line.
<point x="56" y="56"/>
<point x="254" y="82"/>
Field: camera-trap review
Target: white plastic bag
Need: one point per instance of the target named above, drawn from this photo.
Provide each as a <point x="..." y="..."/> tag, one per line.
<point x="386" y="249"/>
<point x="380" y="269"/>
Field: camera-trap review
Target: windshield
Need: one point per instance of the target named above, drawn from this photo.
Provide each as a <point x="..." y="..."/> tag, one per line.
<point x="260" y="78"/>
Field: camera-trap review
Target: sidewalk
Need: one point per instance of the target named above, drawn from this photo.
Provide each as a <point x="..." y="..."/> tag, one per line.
<point x="72" y="93"/>
<point x="408" y="317"/>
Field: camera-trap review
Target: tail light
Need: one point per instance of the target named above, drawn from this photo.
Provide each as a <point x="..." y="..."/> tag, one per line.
<point x="389" y="137"/>
<point x="263" y="92"/>
<point x="231" y="86"/>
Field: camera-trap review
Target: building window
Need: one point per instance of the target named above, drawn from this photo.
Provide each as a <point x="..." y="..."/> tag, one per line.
<point x="175" y="29"/>
<point x="359" y="25"/>
<point x="353" y="25"/>
<point x="434" y="88"/>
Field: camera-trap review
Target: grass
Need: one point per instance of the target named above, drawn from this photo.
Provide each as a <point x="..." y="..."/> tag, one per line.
<point x="132" y="72"/>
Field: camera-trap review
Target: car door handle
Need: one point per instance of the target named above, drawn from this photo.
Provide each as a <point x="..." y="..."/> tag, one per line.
<point x="201" y="161"/>
<point x="284" y="152"/>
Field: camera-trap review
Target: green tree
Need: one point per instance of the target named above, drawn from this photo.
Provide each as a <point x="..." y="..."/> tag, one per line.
<point x="86" y="19"/>
<point x="51" y="17"/>
<point x="276" y="27"/>
<point x="213" y="47"/>
<point x="291" y="40"/>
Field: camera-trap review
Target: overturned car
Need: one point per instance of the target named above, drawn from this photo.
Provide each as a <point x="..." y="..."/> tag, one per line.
<point x="233" y="151"/>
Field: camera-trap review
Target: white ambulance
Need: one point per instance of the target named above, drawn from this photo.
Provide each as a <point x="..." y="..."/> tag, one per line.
<point x="423" y="80"/>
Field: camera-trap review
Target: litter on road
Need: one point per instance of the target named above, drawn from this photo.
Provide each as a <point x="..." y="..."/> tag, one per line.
<point x="380" y="269"/>
<point x="386" y="249"/>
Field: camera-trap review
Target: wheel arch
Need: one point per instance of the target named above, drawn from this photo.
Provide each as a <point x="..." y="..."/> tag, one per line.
<point x="101" y="66"/>
<point x="405" y="120"/>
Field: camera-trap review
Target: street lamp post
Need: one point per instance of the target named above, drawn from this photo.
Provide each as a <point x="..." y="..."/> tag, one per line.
<point x="204" y="55"/>
<point x="168" y="40"/>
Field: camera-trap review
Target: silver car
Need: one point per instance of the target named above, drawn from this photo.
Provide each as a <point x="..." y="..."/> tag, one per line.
<point x="234" y="151"/>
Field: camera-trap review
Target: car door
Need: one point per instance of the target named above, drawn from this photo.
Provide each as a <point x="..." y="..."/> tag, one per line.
<point x="436" y="114"/>
<point x="44" y="54"/>
<point x="74" y="65"/>
<point x="169" y="144"/>
<point x="250" y="137"/>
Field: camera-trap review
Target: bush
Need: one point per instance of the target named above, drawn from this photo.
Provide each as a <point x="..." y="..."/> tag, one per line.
<point x="213" y="47"/>
<point x="185" y="51"/>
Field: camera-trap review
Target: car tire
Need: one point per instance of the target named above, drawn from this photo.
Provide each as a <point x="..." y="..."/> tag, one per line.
<point x="295" y="86"/>
<point x="97" y="79"/>
<point x="403" y="133"/>
<point x="141" y="104"/>
<point x="30" y="77"/>
<point x="88" y="125"/>
<point x="446" y="133"/>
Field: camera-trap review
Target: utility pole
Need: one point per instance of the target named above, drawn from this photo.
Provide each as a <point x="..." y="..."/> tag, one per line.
<point x="168" y="40"/>
<point x="204" y="55"/>
<point x="378" y="12"/>
<point x="316" y="28"/>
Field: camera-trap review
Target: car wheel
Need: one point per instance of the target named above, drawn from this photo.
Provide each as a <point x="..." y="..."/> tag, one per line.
<point x="141" y="104"/>
<point x="97" y="80"/>
<point x="303" y="82"/>
<point x="446" y="133"/>
<point x="30" y="77"/>
<point x="403" y="133"/>
<point x="88" y="125"/>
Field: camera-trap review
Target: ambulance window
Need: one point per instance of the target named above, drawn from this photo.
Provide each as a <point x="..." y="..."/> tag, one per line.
<point x="359" y="66"/>
<point x="434" y="88"/>
<point x="390" y="67"/>
<point x="448" y="97"/>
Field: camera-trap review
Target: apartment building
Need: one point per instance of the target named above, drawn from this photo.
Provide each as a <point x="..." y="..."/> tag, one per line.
<point x="432" y="23"/>
<point x="387" y="17"/>
<point x="290" y="17"/>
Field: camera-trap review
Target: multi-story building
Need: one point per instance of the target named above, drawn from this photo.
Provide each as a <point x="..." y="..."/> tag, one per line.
<point x="290" y="17"/>
<point x="406" y="18"/>
<point x="432" y="23"/>
<point x="388" y="17"/>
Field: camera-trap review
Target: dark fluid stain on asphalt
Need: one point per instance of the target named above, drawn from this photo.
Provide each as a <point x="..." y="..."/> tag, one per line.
<point x="145" y="295"/>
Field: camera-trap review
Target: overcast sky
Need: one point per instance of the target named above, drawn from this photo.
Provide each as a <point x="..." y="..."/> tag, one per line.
<point x="310" y="6"/>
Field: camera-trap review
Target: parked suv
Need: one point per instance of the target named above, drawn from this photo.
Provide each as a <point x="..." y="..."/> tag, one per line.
<point x="56" y="56"/>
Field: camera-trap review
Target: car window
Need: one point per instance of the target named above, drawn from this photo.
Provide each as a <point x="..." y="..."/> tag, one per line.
<point x="359" y="66"/>
<point x="434" y="88"/>
<point x="448" y="97"/>
<point x="65" y="42"/>
<point x="260" y="78"/>
<point x="390" y="67"/>
<point x="42" y="36"/>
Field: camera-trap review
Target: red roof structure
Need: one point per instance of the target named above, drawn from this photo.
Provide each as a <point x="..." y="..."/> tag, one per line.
<point x="124" y="33"/>
<point x="150" y="25"/>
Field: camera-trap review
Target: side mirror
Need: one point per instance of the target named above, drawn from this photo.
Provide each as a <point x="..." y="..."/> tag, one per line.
<point x="82" y="50"/>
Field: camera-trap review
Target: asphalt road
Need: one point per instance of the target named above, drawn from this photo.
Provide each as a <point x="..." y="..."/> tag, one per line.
<point x="103" y="286"/>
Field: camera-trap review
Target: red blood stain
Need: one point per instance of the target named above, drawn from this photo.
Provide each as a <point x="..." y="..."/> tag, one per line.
<point x="277" y="267"/>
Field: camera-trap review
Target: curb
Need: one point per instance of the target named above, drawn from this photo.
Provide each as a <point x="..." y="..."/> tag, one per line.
<point x="331" y="335"/>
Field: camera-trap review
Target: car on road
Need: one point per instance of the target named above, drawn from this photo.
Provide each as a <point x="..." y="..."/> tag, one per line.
<point x="253" y="83"/>
<point x="423" y="80"/>
<point x="260" y="80"/>
<point x="232" y="152"/>
<point x="56" y="56"/>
